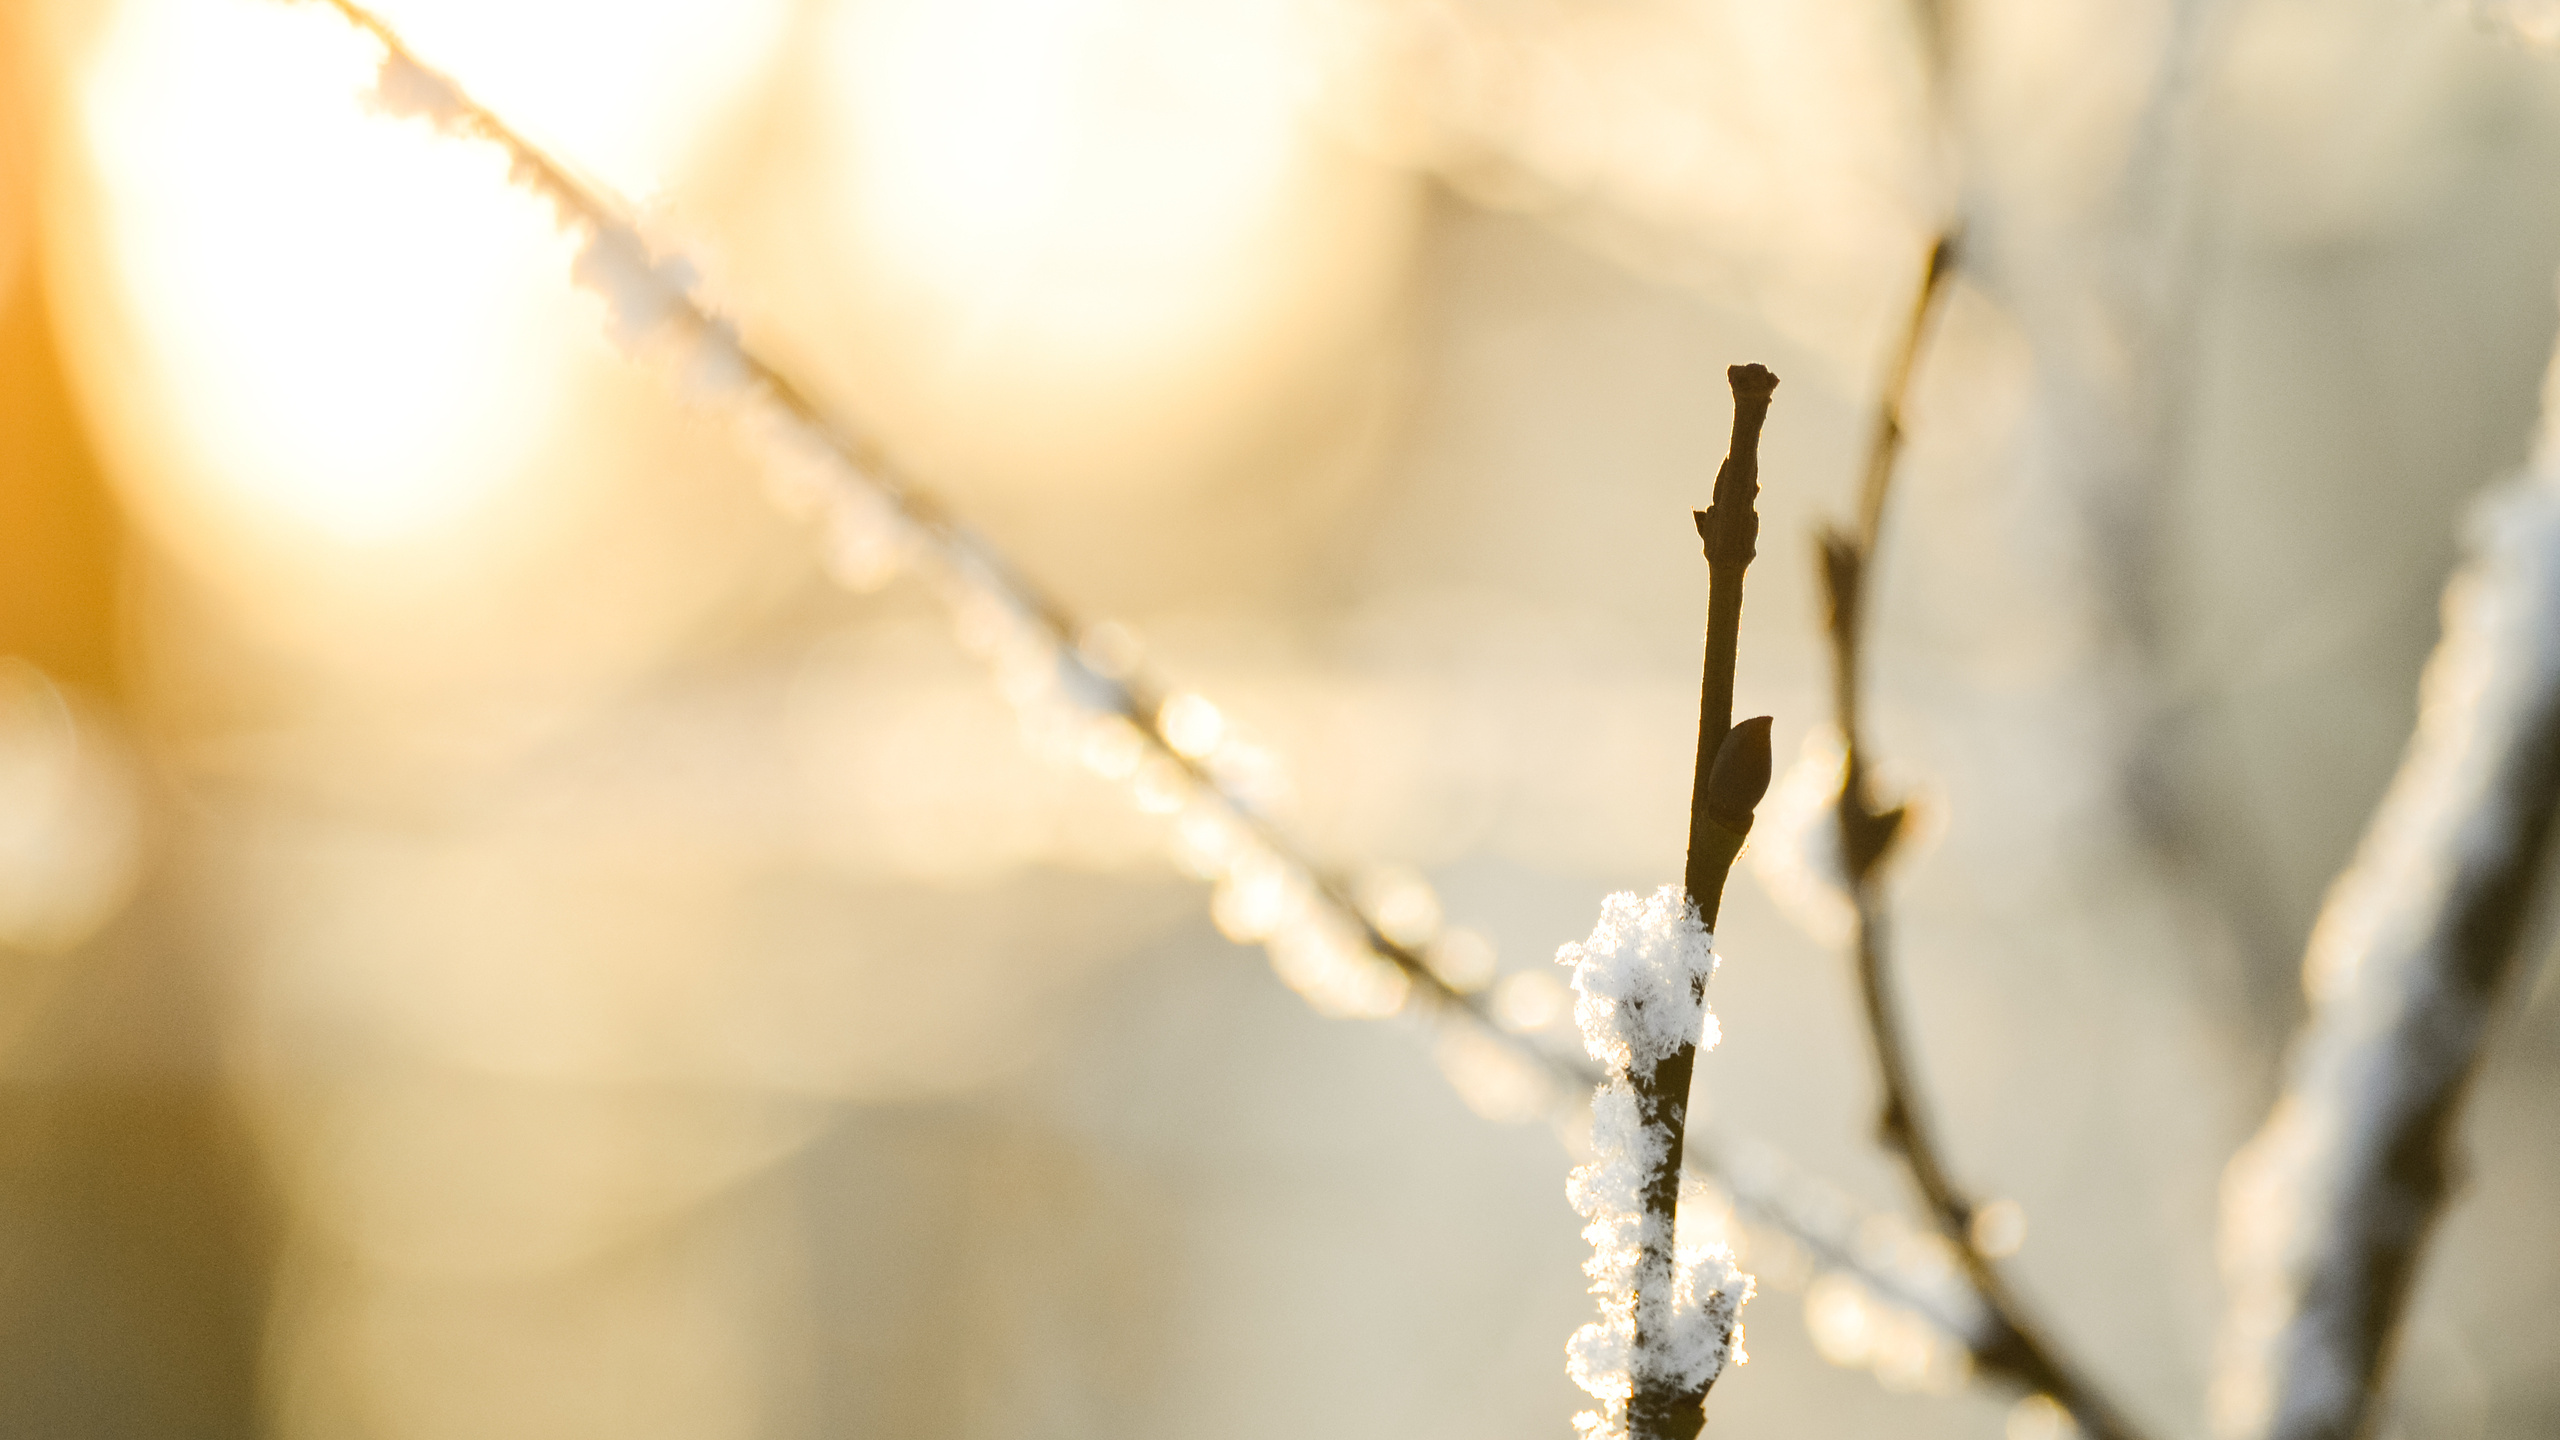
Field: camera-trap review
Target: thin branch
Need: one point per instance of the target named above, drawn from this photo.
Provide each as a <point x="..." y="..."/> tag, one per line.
<point x="1729" y="528"/>
<point x="2327" y="1211"/>
<point x="1731" y="774"/>
<point x="2015" y="1346"/>
<point x="867" y="501"/>
<point x="1884" y="446"/>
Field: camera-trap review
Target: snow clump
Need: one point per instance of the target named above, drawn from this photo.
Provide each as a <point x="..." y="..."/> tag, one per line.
<point x="1641" y="981"/>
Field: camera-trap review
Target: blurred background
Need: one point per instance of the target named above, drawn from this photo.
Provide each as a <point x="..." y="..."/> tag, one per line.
<point x="494" y="942"/>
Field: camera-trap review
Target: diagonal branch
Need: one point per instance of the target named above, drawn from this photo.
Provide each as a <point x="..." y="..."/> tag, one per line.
<point x="879" y="521"/>
<point x="2014" y="1346"/>
<point x="2327" y="1211"/>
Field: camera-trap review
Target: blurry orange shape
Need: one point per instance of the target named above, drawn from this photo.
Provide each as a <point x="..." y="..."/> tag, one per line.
<point x="1087" y="173"/>
<point x="70" y="816"/>
<point x="13" y="225"/>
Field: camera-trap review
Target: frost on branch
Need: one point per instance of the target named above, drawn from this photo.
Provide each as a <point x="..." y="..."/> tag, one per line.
<point x="1641" y="980"/>
<point x="2326" y="1210"/>
<point x="642" y="292"/>
<point x="405" y="88"/>
<point x="645" y="293"/>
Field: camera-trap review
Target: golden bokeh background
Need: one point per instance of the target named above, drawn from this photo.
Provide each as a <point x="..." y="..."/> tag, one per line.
<point x="495" y="943"/>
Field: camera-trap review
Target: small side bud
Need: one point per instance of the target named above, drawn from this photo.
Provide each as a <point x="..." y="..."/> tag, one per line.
<point x="1740" y="775"/>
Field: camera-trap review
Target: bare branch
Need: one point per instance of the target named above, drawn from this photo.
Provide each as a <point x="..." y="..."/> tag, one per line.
<point x="2014" y="1346"/>
<point x="2326" y="1212"/>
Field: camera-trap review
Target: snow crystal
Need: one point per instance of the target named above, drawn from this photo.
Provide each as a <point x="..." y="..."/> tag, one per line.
<point x="1641" y="979"/>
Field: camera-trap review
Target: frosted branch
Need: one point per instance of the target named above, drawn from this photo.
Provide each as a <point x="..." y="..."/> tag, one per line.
<point x="2326" y="1211"/>
<point x="2013" y="1345"/>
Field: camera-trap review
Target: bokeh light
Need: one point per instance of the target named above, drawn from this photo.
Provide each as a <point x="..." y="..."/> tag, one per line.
<point x="344" y="315"/>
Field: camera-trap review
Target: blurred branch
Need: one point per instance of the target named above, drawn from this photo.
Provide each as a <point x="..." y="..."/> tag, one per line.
<point x="2327" y="1210"/>
<point x="878" y="521"/>
<point x="2014" y="1347"/>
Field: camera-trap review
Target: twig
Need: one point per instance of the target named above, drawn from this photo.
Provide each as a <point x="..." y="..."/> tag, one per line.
<point x="2015" y="1346"/>
<point x="1731" y="774"/>
<point x="862" y="486"/>
<point x="2326" y="1212"/>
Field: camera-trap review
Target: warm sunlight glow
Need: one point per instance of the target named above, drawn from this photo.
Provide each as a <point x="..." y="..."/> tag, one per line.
<point x="626" y="89"/>
<point x="353" y="328"/>
<point x="335" y="303"/>
<point x="1082" y="170"/>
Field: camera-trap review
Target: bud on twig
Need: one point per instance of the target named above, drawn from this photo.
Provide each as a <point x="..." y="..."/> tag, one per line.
<point x="1740" y="775"/>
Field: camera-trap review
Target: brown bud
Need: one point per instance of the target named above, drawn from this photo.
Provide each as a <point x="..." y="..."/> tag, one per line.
<point x="1740" y="775"/>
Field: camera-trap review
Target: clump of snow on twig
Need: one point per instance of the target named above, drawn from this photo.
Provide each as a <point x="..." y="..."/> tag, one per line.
<point x="1641" y="981"/>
